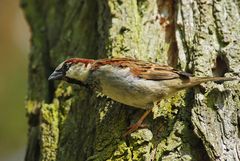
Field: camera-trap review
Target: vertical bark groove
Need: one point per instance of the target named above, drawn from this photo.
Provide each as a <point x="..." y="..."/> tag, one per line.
<point x="68" y="122"/>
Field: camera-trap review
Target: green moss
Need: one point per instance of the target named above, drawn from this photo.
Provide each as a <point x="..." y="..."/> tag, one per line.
<point x="175" y="146"/>
<point x="141" y="144"/>
<point x="63" y="90"/>
<point x="125" y="32"/>
<point x="32" y="106"/>
<point x="169" y="107"/>
<point x="49" y="132"/>
<point x="140" y="137"/>
<point x="105" y="106"/>
<point x="94" y="126"/>
<point x="122" y="152"/>
<point x="139" y="148"/>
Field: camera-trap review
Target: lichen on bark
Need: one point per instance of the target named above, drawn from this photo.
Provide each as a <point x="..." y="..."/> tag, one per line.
<point x="70" y="122"/>
<point x="213" y="36"/>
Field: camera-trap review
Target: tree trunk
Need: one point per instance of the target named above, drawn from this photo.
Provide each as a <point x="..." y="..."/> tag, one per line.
<point x="71" y="123"/>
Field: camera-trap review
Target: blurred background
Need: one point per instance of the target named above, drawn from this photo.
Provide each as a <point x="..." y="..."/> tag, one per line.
<point x="14" y="49"/>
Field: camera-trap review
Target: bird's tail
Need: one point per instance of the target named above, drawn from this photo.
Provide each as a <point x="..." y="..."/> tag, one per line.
<point x="193" y="81"/>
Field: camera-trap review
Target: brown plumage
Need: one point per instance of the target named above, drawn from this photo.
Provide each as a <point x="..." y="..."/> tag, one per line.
<point x="142" y="69"/>
<point x="129" y="81"/>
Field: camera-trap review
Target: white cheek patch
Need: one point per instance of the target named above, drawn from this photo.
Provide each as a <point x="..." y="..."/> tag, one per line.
<point x="85" y="72"/>
<point x="78" y="72"/>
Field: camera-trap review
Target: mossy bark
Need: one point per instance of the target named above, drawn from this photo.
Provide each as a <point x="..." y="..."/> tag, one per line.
<point x="72" y="123"/>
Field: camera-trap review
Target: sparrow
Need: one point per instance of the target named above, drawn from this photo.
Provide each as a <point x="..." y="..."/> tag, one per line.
<point x="129" y="81"/>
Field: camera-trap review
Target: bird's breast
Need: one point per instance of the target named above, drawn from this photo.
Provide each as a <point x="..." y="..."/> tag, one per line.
<point x="120" y="85"/>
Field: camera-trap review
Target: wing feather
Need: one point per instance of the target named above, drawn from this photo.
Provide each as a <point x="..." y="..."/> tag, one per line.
<point x="142" y="69"/>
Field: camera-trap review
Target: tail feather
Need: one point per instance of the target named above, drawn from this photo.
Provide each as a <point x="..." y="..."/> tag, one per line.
<point x="198" y="80"/>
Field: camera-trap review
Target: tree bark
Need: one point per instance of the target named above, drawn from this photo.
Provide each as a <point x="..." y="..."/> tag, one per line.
<point x="72" y="123"/>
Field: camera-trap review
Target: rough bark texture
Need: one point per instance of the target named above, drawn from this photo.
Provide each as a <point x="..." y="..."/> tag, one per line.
<point x="71" y="123"/>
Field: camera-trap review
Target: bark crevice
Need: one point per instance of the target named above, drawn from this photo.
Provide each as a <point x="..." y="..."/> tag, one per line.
<point x="70" y="122"/>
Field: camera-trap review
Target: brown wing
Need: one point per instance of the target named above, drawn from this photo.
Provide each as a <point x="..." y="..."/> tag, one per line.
<point x="146" y="70"/>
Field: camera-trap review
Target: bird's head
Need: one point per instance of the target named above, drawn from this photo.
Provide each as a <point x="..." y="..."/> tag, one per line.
<point x="72" y="70"/>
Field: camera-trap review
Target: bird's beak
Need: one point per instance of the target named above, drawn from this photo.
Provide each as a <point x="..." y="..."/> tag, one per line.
<point x="56" y="75"/>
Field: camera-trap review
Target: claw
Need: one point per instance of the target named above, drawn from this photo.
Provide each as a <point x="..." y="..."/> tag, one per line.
<point x="138" y="124"/>
<point x="131" y="129"/>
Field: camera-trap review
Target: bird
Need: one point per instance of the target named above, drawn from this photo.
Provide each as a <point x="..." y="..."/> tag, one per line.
<point x="132" y="82"/>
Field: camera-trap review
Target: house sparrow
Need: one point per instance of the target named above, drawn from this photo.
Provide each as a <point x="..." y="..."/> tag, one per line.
<point x="132" y="82"/>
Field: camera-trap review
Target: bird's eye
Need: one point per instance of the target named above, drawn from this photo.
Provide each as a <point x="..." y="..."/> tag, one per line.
<point x="63" y="67"/>
<point x="67" y="66"/>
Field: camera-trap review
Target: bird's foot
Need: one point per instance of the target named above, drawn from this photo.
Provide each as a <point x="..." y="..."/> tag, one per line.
<point x="134" y="127"/>
<point x="138" y="124"/>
